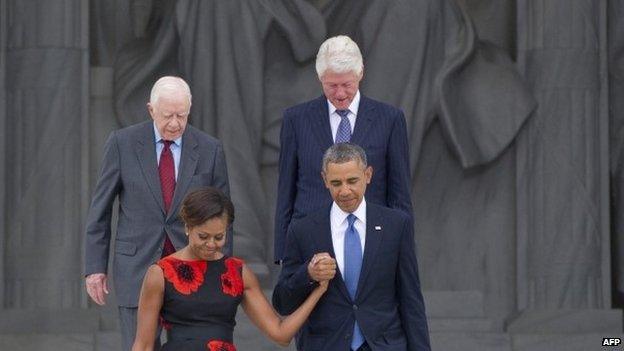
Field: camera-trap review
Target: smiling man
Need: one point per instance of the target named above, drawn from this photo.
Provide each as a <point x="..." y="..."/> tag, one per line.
<point x="150" y="167"/>
<point x="341" y="114"/>
<point x="375" y="301"/>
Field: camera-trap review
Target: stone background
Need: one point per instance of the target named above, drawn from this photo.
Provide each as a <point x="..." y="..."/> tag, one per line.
<point x="515" y="117"/>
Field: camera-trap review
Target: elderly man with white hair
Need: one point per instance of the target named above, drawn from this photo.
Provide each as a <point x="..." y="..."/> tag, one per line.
<point x="341" y="114"/>
<point x="149" y="167"/>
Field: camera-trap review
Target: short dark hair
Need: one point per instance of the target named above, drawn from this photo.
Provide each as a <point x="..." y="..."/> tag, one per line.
<point x="343" y="153"/>
<point x="204" y="204"/>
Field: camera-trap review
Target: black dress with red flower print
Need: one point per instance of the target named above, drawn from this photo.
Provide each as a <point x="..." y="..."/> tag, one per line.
<point x="200" y="303"/>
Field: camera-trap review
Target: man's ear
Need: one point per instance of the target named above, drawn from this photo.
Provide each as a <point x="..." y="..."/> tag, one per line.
<point x="368" y="173"/>
<point x="324" y="179"/>
<point x="150" y="109"/>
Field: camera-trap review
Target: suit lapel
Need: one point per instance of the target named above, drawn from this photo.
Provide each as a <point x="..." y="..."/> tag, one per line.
<point x="373" y="240"/>
<point x="363" y="121"/>
<point x="146" y="153"/>
<point x="323" y="241"/>
<point x="188" y="163"/>
<point x="320" y="123"/>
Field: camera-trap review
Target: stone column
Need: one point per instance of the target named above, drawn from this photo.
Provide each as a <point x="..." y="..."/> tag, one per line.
<point x="3" y="165"/>
<point x="563" y="273"/>
<point x="45" y="69"/>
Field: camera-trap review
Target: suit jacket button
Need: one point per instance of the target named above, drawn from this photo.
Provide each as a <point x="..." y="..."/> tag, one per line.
<point x="348" y="336"/>
<point x="355" y="307"/>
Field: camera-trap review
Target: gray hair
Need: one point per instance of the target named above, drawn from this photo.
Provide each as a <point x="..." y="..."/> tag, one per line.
<point x="339" y="54"/>
<point x="342" y="153"/>
<point x="168" y="85"/>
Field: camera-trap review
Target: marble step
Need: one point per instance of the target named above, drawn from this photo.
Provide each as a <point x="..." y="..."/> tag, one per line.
<point x="252" y="340"/>
<point x="454" y="304"/>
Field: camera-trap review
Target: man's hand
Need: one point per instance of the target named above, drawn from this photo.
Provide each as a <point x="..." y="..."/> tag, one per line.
<point x="97" y="287"/>
<point x="322" y="267"/>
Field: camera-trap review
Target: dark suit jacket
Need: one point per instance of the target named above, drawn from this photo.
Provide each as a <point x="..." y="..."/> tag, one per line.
<point x="305" y="136"/>
<point x="130" y="172"/>
<point x="388" y="303"/>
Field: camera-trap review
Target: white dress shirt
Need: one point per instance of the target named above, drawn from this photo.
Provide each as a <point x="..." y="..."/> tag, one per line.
<point x="339" y="224"/>
<point x="334" y="118"/>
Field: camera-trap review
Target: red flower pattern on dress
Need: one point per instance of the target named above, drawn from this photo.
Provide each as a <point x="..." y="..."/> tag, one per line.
<point x="186" y="276"/>
<point x="231" y="280"/>
<point x="219" y="345"/>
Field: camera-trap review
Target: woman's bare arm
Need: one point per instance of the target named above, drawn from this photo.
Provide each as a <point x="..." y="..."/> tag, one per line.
<point x="150" y="303"/>
<point x="262" y="314"/>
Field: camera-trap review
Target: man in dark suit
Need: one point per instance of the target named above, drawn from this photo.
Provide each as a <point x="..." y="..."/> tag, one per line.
<point x="374" y="302"/>
<point x="150" y="166"/>
<point x="341" y="114"/>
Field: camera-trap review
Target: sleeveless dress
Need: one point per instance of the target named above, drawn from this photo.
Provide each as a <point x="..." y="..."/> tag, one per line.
<point x="200" y="303"/>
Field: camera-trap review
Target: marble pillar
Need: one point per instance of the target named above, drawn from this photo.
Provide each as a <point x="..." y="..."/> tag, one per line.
<point x="563" y="272"/>
<point x="44" y="73"/>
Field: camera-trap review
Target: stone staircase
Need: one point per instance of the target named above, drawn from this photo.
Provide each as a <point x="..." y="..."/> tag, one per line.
<point x="456" y="321"/>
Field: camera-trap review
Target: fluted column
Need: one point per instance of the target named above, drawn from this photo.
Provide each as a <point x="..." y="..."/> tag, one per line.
<point x="3" y="165"/>
<point x="46" y="82"/>
<point x="562" y="165"/>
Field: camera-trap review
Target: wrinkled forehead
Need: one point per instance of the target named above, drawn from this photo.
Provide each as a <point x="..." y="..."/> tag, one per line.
<point x="178" y="102"/>
<point x="353" y="167"/>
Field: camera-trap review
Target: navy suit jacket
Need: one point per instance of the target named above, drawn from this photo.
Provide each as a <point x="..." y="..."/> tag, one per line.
<point x="305" y="136"/>
<point x="388" y="304"/>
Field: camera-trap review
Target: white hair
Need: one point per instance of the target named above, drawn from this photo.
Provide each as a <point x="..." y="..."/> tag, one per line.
<point x="169" y="85"/>
<point x="340" y="55"/>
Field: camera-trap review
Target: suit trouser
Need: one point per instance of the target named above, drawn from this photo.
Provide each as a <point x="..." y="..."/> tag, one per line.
<point x="128" y="327"/>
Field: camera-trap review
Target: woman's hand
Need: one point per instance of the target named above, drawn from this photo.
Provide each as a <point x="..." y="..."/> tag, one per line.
<point x="323" y="285"/>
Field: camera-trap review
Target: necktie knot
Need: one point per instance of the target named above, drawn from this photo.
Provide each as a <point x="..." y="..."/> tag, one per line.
<point x="351" y="219"/>
<point x="342" y="113"/>
<point x="167" y="143"/>
<point x="343" y="134"/>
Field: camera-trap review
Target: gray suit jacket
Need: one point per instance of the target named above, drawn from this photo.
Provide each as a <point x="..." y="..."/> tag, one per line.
<point x="130" y="172"/>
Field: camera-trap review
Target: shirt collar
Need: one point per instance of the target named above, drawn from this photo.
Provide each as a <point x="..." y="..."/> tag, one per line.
<point x="355" y="104"/>
<point x="158" y="138"/>
<point x="341" y="216"/>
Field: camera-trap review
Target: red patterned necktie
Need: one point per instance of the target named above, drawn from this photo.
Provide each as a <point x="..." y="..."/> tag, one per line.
<point x="166" y="171"/>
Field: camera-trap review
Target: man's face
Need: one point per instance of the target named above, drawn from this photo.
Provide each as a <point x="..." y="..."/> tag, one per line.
<point x="340" y="88"/>
<point x="347" y="183"/>
<point x="170" y="113"/>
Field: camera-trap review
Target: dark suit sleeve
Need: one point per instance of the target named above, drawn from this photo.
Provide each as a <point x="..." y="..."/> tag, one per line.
<point x="398" y="177"/>
<point x="286" y="186"/>
<point x="412" y="306"/>
<point x="220" y="180"/>
<point x="294" y="285"/>
<point x="98" y="229"/>
<point x="220" y="176"/>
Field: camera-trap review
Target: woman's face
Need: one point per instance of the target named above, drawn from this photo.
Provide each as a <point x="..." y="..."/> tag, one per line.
<point x="207" y="240"/>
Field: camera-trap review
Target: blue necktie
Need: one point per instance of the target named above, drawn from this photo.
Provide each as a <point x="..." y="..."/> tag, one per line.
<point x="343" y="134"/>
<point x="352" y="267"/>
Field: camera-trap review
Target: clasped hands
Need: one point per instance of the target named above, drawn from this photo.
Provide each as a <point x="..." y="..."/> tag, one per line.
<point x="322" y="267"/>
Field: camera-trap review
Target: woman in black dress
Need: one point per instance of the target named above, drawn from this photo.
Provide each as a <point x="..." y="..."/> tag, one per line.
<point x="195" y="292"/>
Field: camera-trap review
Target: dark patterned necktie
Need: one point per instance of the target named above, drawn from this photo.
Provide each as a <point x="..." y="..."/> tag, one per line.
<point x="166" y="171"/>
<point x="343" y="134"/>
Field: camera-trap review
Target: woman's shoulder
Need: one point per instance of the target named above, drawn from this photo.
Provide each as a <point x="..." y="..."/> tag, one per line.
<point x="233" y="262"/>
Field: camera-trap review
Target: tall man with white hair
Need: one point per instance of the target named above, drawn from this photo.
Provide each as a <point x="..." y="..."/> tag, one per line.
<point x="150" y="167"/>
<point x="341" y="114"/>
